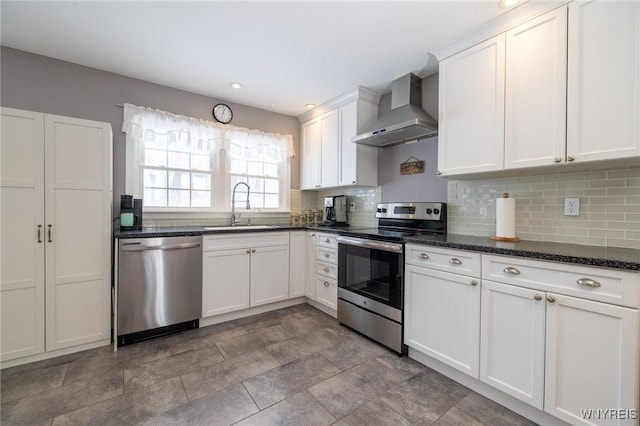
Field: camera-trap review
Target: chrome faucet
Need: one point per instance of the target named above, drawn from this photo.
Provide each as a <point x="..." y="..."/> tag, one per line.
<point x="233" y="203"/>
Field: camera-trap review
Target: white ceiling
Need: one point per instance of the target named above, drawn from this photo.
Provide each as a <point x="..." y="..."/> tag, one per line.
<point x="286" y="54"/>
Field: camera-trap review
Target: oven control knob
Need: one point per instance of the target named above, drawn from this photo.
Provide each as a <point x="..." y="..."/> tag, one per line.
<point x="379" y="211"/>
<point x="436" y="211"/>
<point x="429" y="211"/>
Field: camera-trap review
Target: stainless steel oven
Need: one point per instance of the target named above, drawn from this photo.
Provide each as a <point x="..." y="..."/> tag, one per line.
<point x="370" y="288"/>
<point x="371" y="269"/>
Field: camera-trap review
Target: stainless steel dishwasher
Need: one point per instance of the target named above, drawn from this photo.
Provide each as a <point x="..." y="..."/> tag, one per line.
<point x="159" y="288"/>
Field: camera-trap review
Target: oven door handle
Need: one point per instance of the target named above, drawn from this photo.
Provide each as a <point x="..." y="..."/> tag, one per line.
<point x="372" y="244"/>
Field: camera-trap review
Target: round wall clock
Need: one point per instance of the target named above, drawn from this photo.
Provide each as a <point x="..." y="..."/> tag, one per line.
<point x="222" y="113"/>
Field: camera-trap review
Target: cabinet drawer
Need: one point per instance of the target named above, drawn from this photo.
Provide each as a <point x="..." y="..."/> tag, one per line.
<point x="327" y="255"/>
<point x="327" y="291"/>
<point x="327" y="269"/>
<point x="327" y="240"/>
<point x="587" y="282"/>
<point x="242" y="240"/>
<point x="456" y="261"/>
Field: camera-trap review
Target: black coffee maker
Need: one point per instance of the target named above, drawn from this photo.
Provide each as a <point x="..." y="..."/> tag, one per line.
<point x="130" y="213"/>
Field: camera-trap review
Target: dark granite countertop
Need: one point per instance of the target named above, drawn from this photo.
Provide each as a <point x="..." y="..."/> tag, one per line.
<point x="607" y="257"/>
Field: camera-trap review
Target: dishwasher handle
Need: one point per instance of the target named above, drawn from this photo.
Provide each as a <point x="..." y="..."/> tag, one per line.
<point x="142" y="247"/>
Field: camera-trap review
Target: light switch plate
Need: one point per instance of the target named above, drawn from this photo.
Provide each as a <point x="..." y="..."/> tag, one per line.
<point x="572" y="206"/>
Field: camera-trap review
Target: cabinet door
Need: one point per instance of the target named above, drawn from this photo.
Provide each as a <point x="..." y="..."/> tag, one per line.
<point x="535" y="99"/>
<point x="310" y="281"/>
<point x="269" y="275"/>
<point x="329" y="130"/>
<point x="78" y="228"/>
<point x="471" y="109"/>
<point x="310" y="167"/>
<point x="225" y="281"/>
<point x="512" y="341"/>
<point x="603" y="119"/>
<point x="348" y="150"/>
<point x="297" y="263"/>
<point x="591" y="358"/>
<point x="22" y="273"/>
<point x="442" y="313"/>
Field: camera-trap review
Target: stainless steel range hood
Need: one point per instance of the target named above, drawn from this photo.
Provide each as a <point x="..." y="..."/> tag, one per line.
<point x="405" y="122"/>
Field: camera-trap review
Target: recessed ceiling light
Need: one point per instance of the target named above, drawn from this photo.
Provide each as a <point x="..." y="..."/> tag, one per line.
<point x="506" y="4"/>
<point x="310" y="106"/>
<point x="235" y="85"/>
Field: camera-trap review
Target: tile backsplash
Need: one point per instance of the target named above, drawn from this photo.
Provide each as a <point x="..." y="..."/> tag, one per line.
<point x="365" y="201"/>
<point x="609" y="206"/>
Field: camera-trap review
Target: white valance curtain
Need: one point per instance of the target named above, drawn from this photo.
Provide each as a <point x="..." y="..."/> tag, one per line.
<point x="145" y="124"/>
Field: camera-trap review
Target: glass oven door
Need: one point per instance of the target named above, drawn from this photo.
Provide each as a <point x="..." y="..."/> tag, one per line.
<point x="372" y="269"/>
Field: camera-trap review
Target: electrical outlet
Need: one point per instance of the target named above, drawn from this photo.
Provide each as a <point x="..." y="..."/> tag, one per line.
<point x="572" y="206"/>
<point x="352" y="208"/>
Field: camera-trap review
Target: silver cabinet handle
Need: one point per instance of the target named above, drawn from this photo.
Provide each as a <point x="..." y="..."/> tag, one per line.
<point x="588" y="282"/>
<point x="557" y="159"/>
<point x="326" y="284"/>
<point x="455" y="261"/>
<point x="39" y="236"/>
<point x="551" y="299"/>
<point x="313" y="235"/>
<point x="326" y="240"/>
<point x="571" y="158"/>
<point x="511" y="270"/>
<point x="326" y="254"/>
<point x="537" y="297"/>
<point x="49" y="232"/>
<point x="474" y="283"/>
<point x="326" y="269"/>
<point x="438" y="173"/>
<point x="248" y="250"/>
<point x="423" y="256"/>
<point x="253" y="250"/>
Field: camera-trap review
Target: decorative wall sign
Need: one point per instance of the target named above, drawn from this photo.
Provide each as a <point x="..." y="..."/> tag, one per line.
<point x="412" y="167"/>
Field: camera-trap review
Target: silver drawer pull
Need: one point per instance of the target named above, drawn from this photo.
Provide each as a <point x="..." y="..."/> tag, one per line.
<point x="326" y="240"/>
<point x="326" y="269"/>
<point x="551" y="299"/>
<point x="326" y="284"/>
<point x="474" y="283"/>
<point x="588" y="282"/>
<point x="325" y="254"/>
<point x="423" y="256"/>
<point x="511" y="270"/>
<point x="455" y="261"/>
<point x="537" y="297"/>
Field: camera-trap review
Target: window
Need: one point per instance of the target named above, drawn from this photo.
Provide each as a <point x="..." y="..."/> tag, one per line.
<point x="179" y="163"/>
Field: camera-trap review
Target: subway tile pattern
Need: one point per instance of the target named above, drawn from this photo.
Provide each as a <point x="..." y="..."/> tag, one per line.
<point x="609" y="206"/>
<point x="364" y="199"/>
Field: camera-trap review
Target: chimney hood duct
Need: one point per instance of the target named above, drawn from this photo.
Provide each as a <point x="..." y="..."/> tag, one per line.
<point x="405" y="122"/>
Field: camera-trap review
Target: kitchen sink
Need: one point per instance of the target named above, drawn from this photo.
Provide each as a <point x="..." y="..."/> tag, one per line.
<point x="238" y="227"/>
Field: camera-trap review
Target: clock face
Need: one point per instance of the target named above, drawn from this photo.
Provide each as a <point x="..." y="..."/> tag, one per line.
<point x="222" y="113"/>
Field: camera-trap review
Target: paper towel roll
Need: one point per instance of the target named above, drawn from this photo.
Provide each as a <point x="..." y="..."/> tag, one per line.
<point x="506" y="217"/>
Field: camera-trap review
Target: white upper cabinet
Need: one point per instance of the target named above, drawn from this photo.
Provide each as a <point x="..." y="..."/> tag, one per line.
<point x="604" y="80"/>
<point x="535" y="94"/>
<point x="329" y="158"/>
<point x="471" y="109"/>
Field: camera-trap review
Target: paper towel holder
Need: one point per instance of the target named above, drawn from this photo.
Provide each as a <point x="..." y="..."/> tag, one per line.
<point x="507" y="239"/>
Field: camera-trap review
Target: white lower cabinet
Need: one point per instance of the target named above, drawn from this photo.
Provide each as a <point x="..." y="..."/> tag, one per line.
<point x="512" y="341"/>
<point x="561" y="353"/>
<point x="56" y="234"/>
<point x="225" y="281"/>
<point x="297" y="263"/>
<point x="326" y="270"/>
<point x="442" y="309"/>
<point x="242" y="271"/>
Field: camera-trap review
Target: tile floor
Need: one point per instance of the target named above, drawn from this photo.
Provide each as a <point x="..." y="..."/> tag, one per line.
<point x="294" y="366"/>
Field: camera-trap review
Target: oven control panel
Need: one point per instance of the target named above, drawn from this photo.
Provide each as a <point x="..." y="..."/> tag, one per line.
<point x="423" y="211"/>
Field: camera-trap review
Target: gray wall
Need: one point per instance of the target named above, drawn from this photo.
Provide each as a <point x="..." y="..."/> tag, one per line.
<point x="419" y="187"/>
<point x="38" y="83"/>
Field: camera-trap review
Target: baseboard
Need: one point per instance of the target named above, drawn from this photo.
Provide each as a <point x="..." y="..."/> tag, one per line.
<point x="217" y="319"/>
<point x="53" y="354"/>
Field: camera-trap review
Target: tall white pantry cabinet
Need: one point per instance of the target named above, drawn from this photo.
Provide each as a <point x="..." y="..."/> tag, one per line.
<point x="55" y="195"/>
